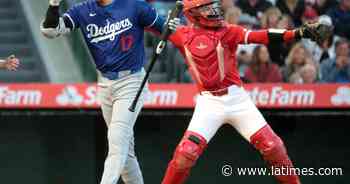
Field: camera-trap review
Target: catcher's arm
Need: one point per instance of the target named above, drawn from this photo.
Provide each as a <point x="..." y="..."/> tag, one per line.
<point x="316" y="32"/>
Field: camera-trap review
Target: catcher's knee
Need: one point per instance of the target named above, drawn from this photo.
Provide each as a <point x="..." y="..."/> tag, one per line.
<point x="188" y="151"/>
<point x="267" y="142"/>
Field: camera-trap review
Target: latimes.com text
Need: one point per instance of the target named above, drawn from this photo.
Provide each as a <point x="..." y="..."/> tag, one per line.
<point x="228" y="170"/>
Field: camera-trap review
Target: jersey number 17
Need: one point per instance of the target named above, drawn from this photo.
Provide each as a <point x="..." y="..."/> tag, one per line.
<point x="126" y="42"/>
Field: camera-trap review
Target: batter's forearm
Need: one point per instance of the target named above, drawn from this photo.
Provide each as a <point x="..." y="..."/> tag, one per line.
<point x="158" y="26"/>
<point x="52" y="18"/>
<point x="54" y="25"/>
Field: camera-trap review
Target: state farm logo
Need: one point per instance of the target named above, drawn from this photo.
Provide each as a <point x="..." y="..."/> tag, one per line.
<point x="69" y="96"/>
<point x="342" y="97"/>
<point x="19" y="97"/>
<point x="280" y="96"/>
<point x="161" y="97"/>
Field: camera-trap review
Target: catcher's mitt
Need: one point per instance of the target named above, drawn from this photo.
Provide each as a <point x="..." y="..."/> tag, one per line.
<point x="316" y="32"/>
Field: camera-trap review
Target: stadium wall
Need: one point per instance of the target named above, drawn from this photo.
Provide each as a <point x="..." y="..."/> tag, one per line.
<point x="69" y="146"/>
<point x="61" y="63"/>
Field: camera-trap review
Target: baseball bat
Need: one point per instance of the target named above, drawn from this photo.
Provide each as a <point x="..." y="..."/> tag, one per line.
<point x="160" y="47"/>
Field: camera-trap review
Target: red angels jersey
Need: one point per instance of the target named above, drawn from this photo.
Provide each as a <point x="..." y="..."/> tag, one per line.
<point x="211" y="54"/>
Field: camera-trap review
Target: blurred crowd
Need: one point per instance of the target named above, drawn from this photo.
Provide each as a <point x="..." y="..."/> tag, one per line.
<point x="299" y="62"/>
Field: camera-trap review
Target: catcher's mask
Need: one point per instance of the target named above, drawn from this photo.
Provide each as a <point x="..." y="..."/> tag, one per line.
<point x="205" y="13"/>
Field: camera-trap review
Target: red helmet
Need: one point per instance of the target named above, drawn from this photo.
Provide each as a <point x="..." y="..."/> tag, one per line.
<point x="206" y="13"/>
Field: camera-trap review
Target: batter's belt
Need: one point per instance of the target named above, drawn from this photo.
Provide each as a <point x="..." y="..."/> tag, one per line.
<point x="120" y="74"/>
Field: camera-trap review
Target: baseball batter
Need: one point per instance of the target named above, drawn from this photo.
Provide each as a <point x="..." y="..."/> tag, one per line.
<point x="11" y="63"/>
<point x="113" y="31"/>
<point x="209" y="46"/>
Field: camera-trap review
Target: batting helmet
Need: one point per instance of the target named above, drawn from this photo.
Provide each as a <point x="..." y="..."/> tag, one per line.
<point x="206" y="13"/>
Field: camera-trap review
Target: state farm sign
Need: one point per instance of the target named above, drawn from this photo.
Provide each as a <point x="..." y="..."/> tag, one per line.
<point x="15" y="96"/>
<point x="174" y="96"/>
<point x="161" y="97"/>
<point x="72" y="95"/>
<point x="282" y="97"/>
<point x="342" y="97"/>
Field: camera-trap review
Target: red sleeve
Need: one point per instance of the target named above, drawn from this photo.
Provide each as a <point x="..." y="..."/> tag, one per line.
<point x="262" y="36"/>
<point x="259" y="37"/>
<point x="289" y="36"/>
<point x="237" y="34"/>
<point x="244" y="36"/>
<point x="176" y="38"/>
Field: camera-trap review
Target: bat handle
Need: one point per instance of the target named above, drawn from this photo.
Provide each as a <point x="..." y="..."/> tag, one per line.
<point x="138" y="94"/>
<point x="160" y="48"/>
<point x="174" y="13"/>
<point x="133" y="106"/>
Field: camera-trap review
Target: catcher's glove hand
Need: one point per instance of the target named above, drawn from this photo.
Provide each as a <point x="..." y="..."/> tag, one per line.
<point x="316" y="32"/>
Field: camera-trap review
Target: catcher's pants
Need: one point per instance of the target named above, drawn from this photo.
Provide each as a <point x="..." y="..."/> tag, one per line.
<point x="236" y="108"/>
<point x="115" y="97"/>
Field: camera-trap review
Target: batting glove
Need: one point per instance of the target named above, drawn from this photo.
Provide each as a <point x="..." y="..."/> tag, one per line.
<point x="173" y="23"/>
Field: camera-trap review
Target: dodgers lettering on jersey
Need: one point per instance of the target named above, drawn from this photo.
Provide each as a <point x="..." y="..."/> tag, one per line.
<point x="115" y="33"/>
<point x="109" y="32"/>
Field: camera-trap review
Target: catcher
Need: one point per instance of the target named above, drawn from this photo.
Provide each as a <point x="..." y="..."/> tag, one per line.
<point x="209" y="45"/>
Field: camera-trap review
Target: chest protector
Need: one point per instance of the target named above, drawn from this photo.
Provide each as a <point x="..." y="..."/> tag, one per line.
<point x="210" y="57"/>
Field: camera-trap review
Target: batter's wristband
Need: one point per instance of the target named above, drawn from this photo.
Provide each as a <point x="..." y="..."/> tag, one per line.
<point x="52" y="17"/>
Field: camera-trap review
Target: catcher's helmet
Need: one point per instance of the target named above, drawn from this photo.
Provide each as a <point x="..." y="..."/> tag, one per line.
<point x="206" y="13"/>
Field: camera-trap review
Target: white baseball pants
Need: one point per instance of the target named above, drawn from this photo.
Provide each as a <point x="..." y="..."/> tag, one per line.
<point x="115" y="97"/>
<point x="236" y="108"/>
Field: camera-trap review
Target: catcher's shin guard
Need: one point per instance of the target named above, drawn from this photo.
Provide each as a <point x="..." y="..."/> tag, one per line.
<point x="274" y="153"/>
<point x="186" y="154"/>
